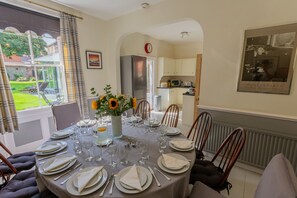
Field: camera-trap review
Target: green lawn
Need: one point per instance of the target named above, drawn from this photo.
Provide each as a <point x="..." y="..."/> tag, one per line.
<point x="24" y="101"/>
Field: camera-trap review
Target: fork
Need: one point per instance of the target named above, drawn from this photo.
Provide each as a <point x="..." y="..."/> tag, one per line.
<point x="102" y="192"/>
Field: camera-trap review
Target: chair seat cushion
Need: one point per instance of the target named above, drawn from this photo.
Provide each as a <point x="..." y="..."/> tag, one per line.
<point x="205" y="172"/>
<point x="22" y="185"/>
<point x="21" y="161"/>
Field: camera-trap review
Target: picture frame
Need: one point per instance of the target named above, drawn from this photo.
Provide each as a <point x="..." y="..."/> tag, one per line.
<point x="268" y="59"/>
<point x="94" y="59"/>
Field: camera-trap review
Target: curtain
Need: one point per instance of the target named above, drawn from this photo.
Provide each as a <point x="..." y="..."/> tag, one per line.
<point x="8" y="116"/>
<point x="73" y="68"/>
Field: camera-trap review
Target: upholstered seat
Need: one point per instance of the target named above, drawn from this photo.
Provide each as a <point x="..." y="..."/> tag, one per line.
<point x="22" y="185"/>
<point x="21" y="161"/>
<point x="200" y="190"/>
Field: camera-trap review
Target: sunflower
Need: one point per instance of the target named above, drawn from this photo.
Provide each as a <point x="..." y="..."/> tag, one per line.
<point x="113" y="103"/>
<point x="134" y="103"/>
<point x="102" y="97"/>
<point x="94" y="105"/>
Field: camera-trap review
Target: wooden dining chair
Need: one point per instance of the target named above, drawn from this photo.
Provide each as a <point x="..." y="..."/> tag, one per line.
<point x="199" y="132"/>
<point x="65" y="114"/>
<point x="215" y="176"/>
<point x="16" y="162"/>
<point x="170" y="117"/>
<point x="144" y="108"/>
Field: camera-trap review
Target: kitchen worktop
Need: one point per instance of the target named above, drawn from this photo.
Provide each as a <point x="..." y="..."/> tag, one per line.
<point x="172" y="87"/>
<point x="188" y="94"/>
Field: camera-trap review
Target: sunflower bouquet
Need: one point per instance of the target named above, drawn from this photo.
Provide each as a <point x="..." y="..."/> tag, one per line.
<point x="111" y="104"/>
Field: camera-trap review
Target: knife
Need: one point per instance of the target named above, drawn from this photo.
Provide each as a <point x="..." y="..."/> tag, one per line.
<point x="151" y="170"/>
<point x="75" y="167"/>
<point x="168" y="178"/>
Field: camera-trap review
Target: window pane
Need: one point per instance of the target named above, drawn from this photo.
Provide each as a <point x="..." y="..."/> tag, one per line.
<point x="46" y="50"/>
<point x="51" y="86"/>
<point x="15" y="49"/>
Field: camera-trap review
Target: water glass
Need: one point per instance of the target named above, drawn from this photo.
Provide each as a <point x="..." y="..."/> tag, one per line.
<point x="123" y="151"/>
<point x="87" y="143"/>
<point x="112" y="150"/>
<point x="162" y="143"/>
<point x="97" y="153"/>
<point x="143" y="150"/>
<point x="77" y="147"/>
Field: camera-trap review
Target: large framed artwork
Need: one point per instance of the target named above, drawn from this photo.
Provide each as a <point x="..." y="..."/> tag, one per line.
<point x="268" y="59"/>
<point x="94" y="60"/>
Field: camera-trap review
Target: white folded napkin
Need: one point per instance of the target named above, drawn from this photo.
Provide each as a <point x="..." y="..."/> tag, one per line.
<point x="83" y="178"/>
<point x="183" y="144"/>
<point x="131" y="178"/>
<point x="47" y="148"/>
<point x="58" y="162"/>
<point x="173" y="163"/>
<point x="133" y="119"/>
<point x="62" y="133"/>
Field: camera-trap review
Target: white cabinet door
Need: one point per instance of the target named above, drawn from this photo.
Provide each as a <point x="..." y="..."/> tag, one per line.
<point x="178" y="67"/>
<point x="169" y="67"/>
<point x="188" y="67"/>
<point x="188" y="110"/>
<point x="179" y="95"/>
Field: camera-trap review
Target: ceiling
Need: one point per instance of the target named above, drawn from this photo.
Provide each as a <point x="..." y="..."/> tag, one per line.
<point x="109" y="9"/>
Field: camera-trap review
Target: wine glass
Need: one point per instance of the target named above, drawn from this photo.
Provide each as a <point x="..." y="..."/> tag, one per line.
<point x="143" y="150"/>
<point x="112" y="150"/>
<point x="138" y="118"/>
<point x="86" y="120"/>
<point x="124" y="117"/>
<point x="162" y="143"/>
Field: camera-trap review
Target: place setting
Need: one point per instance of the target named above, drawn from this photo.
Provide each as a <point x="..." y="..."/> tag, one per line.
<point x="49" y="148"/>
<point x="133" y="179"/>
<point x="173" y="163"/>
<point x="87" y="180"/>
<point x="86" y="122"/>
<point x="57" y="164"/>
<point x="61" y="134"/>
<point x="172" y="131"/>
<point x="180" y="144"/>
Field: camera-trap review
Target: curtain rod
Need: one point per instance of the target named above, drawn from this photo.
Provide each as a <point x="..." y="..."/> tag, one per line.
<point x="47" y="7"/>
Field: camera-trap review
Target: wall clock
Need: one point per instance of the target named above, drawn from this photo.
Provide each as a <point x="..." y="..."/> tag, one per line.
<point x="148" y="48"/>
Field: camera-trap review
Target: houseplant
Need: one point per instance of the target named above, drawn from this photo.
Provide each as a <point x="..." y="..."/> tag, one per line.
<point x="113" y="105"/>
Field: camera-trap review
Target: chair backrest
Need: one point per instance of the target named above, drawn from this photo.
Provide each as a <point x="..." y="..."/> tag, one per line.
<point x="144" y="109"/>
<point x="5" y="148"/>
<point x="278" y="179"/>
<point x="65" y="114"/>
<point x="170" y="117"/>
<point x="229" y="151"/>
<point x="11" y="167"/>
<point x="200" y="130"/>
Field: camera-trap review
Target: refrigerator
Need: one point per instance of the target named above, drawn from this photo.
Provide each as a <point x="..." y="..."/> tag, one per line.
<point x="134" y="76"/>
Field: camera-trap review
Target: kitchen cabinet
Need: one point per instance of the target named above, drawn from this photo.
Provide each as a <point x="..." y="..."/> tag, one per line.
<point x="171" y="96"/>
<point x="166" y="66"/>
<point x="186" y="66"/>
<point x="176" y="67"/>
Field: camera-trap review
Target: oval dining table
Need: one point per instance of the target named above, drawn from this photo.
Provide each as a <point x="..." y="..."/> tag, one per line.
<point x="177" y="187"/>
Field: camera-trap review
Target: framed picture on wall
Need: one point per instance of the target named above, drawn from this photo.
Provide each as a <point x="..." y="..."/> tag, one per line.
<point x="268" y="59"/>
<point x="94" y="60"/>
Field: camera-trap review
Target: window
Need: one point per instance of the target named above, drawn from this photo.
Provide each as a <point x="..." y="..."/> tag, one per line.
<point x="31" y="52"/>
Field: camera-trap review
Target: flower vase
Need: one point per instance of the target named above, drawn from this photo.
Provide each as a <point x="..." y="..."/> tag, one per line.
<point x="116" y="123"/>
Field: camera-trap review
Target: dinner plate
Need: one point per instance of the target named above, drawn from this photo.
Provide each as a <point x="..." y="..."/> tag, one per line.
<point x="134" y="191"/>
<point x="74" y="191"/>
<point x="83" y="124"/>
<point x="172" y="168"/>
<point x="63" y="134"/>
<point x="182" y="150"/>
<point x="173" y="131"/>
<point x="62" y="146"/>
<point x="55" y="146"/>
<point x="92" y="182"/>
<point x="184" y="169"/>
<point x="142" y="178"/>
<point x="134" y="119"/>
<point x="155" y="124"/>
<point x="60" y="169"/>
<point x="106" y="142"/>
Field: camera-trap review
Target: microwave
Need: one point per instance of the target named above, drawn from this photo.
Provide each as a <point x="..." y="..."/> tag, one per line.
<point x="175" y="83"/>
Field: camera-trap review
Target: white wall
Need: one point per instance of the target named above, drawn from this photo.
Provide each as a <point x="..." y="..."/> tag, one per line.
<point x="133" y="44"/>
<point x="223" y="24"/>
<point x="188" y="50"/>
